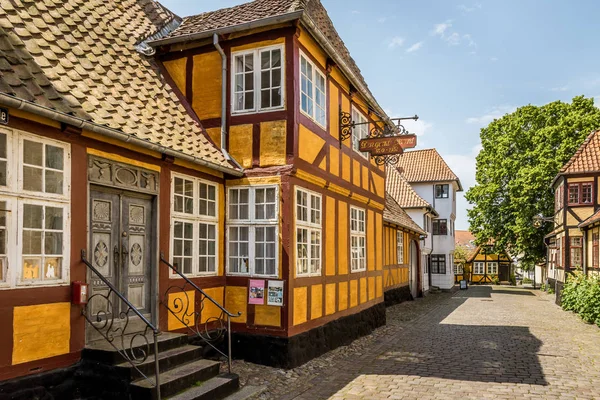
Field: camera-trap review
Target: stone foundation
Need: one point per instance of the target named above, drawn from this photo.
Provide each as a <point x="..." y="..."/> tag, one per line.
<point x="296" y="350"/>
<point x="56" y="384"/>
<point x="397" y="296"/>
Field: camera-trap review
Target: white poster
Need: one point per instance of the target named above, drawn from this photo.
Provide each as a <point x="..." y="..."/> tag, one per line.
<point x="275" y="293"/>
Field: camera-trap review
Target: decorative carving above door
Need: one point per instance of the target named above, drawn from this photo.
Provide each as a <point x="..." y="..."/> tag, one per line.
<point x="115" y="174"/>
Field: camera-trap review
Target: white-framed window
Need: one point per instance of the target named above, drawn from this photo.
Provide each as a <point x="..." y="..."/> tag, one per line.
<point x="252" y="231"/>
<point x="258" y="80"/>
<point x="492" y="268"/>
<point x="479" y="268"/>
<point x="358" y="239"/>
<point x="458" y="269"/>
<point x="400" y="247"/>
<point x="313" y="91"/>
<point x="194" y="226"/>
<point x="34" y="210"/>
<point x="308" y="233"/>
<point x="359" y="132"/>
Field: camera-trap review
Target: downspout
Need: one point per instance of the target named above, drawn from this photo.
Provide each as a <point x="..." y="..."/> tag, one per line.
<point x="223" y="100"/>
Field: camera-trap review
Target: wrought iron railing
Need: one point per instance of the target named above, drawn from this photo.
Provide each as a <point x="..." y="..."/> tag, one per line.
<point x="210" y="330"/>
<point x="112" y="326"/>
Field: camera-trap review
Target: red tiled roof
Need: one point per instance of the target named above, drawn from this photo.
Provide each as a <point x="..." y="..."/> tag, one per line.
<point x="586" y="158"/>
<point x="426" y="166"/>
<point x="464" y="238"/>
<point x="401" y="190"/>
<point x="394" y="214"/>
<point x="591" y="220"/>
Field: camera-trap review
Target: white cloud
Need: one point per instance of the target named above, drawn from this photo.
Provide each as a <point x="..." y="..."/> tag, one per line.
<point x="355" y="12"/>
<point x="490" y="115"/>
<point x="445" y="32"/>
<point x="559" y="89"/>
<point x="469" y="39"/>
<point x="414" y="47"/>
<point x="396" y="41"/>
<point x="468" y="9"/>
<point x="419" y="127"/>
<point x="440" y="29"/>
<point x="453" y="39"/>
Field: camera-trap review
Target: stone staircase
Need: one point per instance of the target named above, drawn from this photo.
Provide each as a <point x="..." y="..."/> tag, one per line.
<point x="184" y="373"/>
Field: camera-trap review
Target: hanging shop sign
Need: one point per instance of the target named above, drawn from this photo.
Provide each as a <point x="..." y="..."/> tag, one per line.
<point x="387" y="145"/>
<point x="3" y="116"/>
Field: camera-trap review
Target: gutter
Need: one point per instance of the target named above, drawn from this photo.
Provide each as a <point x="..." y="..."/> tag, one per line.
<point x="81" y="123"/>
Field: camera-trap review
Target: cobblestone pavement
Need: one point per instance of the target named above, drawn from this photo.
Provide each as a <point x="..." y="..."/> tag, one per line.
<point x="485" y="343"/>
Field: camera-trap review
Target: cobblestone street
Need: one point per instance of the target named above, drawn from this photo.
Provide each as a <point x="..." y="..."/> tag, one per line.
<point x="488" y="342"/>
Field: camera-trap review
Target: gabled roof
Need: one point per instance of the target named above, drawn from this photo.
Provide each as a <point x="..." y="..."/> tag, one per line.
<point x="464" y="238"/>
<point x="586" y="158"/>
<point x="394" y="214"/>
<point x="260" y="13"/>
<point x="78" y="58"/>
<point x="419" y="166"/>
<point x="402" y="192"/>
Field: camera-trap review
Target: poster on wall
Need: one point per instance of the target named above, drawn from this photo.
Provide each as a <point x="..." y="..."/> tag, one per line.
<point x="256" y="294"/>
<point x="275" y="293"/>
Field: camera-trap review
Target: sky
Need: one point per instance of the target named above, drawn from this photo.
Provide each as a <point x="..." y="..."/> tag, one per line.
<point x="460" y="64"/>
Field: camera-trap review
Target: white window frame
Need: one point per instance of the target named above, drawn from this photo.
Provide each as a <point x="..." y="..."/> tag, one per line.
<point x="400" y="247"/>
<point x="358" y="235"/>
<point x="310" y="227"/>
<point x="15" y="197"/>
<point x="313" y="79"/>
<point x="252" y="223"/>
<point x="458" y="269"/>
<point x="492" y="268"/>
<point x="195" y="219"/>
<point x="257" y="80"/>
<point x="359" y="132"/>
<point x="479" y="268"/>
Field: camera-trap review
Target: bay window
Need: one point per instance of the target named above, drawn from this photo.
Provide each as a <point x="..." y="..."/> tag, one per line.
<point x="252" y="231"/>
<point x="258" y="80"/>
<point x="357" y="239"/>
<point x="440" y="226"/>
<point x="194" y="226"/>
<point x="34" y="210"/>
<point x="308" y="233"/>
<point x="313" y="91"/>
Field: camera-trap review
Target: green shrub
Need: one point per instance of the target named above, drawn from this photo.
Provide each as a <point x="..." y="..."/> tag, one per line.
<point x="513" y="279"/>
<point x="543" y="287"/>
<point x="581" y="294"/>
<point x="527" y="281"/>
<point x="495" y="280"/>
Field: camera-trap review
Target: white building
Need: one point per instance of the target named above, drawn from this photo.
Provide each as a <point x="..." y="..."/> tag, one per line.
<point x="434" y="182"/>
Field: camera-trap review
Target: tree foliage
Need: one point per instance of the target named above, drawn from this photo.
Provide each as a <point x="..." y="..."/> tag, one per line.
<point x="461" y="253"/>
<point x="522" y="153"/>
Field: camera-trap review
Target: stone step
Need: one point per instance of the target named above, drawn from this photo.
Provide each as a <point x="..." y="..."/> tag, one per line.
<point x="215" y="388"/>
<point x="167" y="360"/>
<point x="246" y="392"/>
<point x="175" y="380"/>
<point x="102" y="350"/>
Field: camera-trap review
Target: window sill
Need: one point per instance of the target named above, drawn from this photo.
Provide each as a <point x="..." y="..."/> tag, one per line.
<point x="315" y="275"/>
<point x="173" y="275"/>
<point x="358" y="270"/>
<point x="261" y="111"/>
<point x="244" y="275"/>
<point x="313" y="119"/>
<point x="38" y="284"/>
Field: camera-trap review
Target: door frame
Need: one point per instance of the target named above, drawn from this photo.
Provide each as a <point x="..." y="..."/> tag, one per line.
<point x="415" y="268"/>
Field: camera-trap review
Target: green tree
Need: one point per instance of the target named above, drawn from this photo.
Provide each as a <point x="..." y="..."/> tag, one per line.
<point x="522" y="153"/>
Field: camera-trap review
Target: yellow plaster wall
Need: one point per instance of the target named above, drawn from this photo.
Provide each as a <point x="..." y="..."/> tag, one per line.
<point x="267" y="315"/>
<point x="210" y="310"/>
<point x="236" y="300"/>
<point x="309" y="144"/>
<point x="334" y="161"/>
<point x="365" y="178"/>
<point x="312" y="47"/>
<point x="582" y="212"/>
<point x="345" y="167"/>
<point x="577" y="180"/>
<point x="273" y="143"/>
<point x="379" y="239"/>
<point x="240" y="144"/>
<point x="343" y="295"/>
<point x="346" y="108"/>
<point x="330" y="229"/>
<point x="363" y="290"/>
<point x="256" y="45"/>
<point x="334" y="111"/>
<point x="177" y="71"/>
<point x="215" y="135"/>
<point x="330" y="297"/>
<point x="300" y="305"/>
<point x="206" y="85"/>
<point x="371" y="240"/>
<point x="379" y="285"/>
<point x="316" y="301"/>
<point x="353" y="293"/>
<point x="187" y="299"/>
<point x="356" y="172"/>
<point x="337" y="75"/>
<point x="342" y="235"/>
<point x="371" y="287"/>
<point x="40" y="331"/>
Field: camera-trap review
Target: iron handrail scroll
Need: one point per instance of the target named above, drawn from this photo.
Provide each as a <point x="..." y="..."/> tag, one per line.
<point x="134" y="347"/>
<point x="210" y="330"/>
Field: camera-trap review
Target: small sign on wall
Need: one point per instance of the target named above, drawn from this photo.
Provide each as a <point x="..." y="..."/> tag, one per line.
<point x="256" y="294"/>
<point x="3" y="116"/>
<point x="275" y="293"/>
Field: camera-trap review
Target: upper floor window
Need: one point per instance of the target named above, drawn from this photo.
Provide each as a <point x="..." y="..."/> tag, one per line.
<point x="308" y="233"/>
<point x="194" y="223"/>
<point x="312" y="91"/>
<point x="358" y="239"/>
<point x="252" y="231"/>
<point x="440" y="226"/>
<point x="442" y="191"/>
<point x="581" y="193"/>
<point x="360" y="131"/>
<point x="558" y="198"/>
<point x="400" y="247"/>
<point x="258" y="80"/>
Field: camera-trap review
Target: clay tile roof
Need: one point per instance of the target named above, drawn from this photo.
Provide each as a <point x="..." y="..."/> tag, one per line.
<point x="426" y="166"/>
<point x="394" y="214"/>
<point x="402" y="192"/>
<point x="78" y="57"/>
<point x="586" y="158"/>
<point x="464" y="238"/>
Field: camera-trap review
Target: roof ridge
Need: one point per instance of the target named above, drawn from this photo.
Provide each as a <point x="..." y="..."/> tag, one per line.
<point x="579" y="151"/>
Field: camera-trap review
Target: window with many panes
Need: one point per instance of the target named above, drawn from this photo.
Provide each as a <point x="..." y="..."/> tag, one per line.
<point x="442" y="191"/>
<point x="357" y="239"/>
<point x="312" y="91"/>
<point x="576" y="251"/>
<point x="400" y="247"/>
<point x="194" y="223"/>
<point x="581" y="193"/>
<point x="360" y="131"/>
<point x="458" y="269"/>
<point x="252" y="229"/>
<point x="479" y="268"/>
<point x="34" y="209"/>
<point x="492" y="268"/>
<point x="308" y="233"/>
<point x="440" y="226"/>
<point x="438" y="263"/>
<point x="595" y="249"/>
<point x="258" y="80"/>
